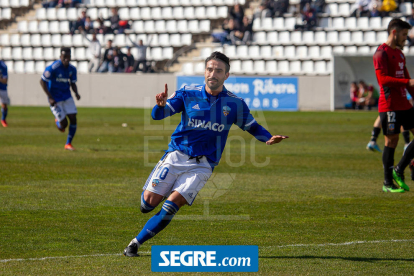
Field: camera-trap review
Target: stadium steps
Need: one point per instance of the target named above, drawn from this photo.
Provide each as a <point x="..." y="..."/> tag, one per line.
<point x="19" y="14"/>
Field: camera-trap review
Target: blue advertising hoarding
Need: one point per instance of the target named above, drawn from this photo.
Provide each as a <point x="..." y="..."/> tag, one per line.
<point x="265" y="93"/>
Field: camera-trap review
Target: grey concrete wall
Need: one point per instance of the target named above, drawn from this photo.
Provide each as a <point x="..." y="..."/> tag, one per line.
<point x="124" y="90"/>
<point x="314" y="93"/>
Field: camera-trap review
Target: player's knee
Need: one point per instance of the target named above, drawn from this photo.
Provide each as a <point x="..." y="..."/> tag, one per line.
<point x="72" y="119"/>
<point x="145" y="206"/>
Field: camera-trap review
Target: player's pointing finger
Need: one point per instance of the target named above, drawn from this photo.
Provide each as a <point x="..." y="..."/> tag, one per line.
<point x="166" y="90"/>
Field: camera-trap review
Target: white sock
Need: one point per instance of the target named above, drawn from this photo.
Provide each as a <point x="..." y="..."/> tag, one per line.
<point x="134" y="241"/>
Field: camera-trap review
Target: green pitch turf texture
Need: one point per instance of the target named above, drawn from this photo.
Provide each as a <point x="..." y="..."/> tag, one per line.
<point x="72" y="213"/>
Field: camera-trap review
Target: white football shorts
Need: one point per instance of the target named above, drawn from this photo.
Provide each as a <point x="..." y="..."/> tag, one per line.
<point x="4" y="97"/>
<point x="63" y="108"/>
<point x="177" y="172"/>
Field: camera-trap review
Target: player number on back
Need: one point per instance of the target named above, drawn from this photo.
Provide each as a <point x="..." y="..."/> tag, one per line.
<point x="391" y="117"/>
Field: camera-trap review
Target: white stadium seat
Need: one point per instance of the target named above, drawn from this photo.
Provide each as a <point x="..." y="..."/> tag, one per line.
<point x="25" y="40"/>
<point x="61" y="14"/>
<point x="15" y="40"/>
<point x="46" y="40"/>
<point x="29" y="67"/>
<point x="38" y="53"/>
<point x="49" y="53"/>
<point x="307" y="67"/>
<point x="35" y="40"/>
<point x="17" y="53"/>
<point x="40" y="67"/>
<point x="19" y="67"/>
<point x="51" y="14"/>
<point x="41" y="14"/>
<point x="266" y="52"/>
<point x="5" y="40"/>
<point x="271" y="67"/>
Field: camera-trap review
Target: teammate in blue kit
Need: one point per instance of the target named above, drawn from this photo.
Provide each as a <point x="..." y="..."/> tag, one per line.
<point x="3" y="92"/>
<point x="207" y="113"/>
<point x="56" y="81"/>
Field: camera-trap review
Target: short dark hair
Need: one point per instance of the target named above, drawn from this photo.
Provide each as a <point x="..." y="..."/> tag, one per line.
<point x="398" y="24"/>
<point x="221" y="57"/>
<point x="65" y="50"/>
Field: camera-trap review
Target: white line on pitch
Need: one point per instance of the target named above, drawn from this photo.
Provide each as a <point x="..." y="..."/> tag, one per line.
<point x="335" y="244"/>
<point x="66" y="257"/>
<point x="261" y="247"/>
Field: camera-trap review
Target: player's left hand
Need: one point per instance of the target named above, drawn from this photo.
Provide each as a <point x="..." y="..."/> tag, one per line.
<point x="77" y="97"/>
<point x="276" y="139"/>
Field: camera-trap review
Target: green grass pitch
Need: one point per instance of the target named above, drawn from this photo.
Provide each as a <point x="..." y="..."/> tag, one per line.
<point x="72" y="213"/>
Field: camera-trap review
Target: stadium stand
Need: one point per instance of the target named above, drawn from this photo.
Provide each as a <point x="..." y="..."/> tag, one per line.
<point x="180" y="31"/>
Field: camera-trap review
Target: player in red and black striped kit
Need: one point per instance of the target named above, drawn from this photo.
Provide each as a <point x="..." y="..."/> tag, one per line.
<point x="394" y="109"/>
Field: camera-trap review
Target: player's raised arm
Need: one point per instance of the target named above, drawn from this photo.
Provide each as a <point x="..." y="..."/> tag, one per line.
<point x="167" y="106"/>
<point x="161" y="98"/>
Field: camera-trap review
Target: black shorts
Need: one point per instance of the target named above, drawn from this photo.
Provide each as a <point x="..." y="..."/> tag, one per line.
<point x="392" y="121"/>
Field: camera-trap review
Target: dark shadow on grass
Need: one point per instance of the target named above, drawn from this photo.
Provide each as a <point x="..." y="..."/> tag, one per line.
<point x="355" y="259"/>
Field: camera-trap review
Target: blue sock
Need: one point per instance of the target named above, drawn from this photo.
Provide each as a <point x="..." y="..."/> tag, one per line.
<point x="145" y="207"/>
<point x="71" y="134"/>
<point x="58" y="124"/>
<point x="3" y="114"/>
<point x="158" y="222"/>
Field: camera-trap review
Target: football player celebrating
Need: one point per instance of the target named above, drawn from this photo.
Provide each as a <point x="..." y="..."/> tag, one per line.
<point x="207" y="113"/>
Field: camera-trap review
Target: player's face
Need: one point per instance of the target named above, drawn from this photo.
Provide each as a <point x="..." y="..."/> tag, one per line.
<point x="401" y="37"/>
<point x="65" y="59"/>
<point x="215" y="74"/>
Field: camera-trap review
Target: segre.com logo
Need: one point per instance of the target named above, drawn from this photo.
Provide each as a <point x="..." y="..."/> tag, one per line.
<point x="205" y="258"/>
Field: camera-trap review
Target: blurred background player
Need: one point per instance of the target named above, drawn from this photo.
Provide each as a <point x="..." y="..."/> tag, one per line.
<point x="56" y="81"/>
<point x="4" y="97"/>
<point x="394" y="108"/>
<point x="208" y="112"/>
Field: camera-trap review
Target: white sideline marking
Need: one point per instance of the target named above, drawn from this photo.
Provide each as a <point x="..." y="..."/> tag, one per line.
<point x="337" y="244"/>
<point x="66" y="257"/>
<point x="149" y="252"/>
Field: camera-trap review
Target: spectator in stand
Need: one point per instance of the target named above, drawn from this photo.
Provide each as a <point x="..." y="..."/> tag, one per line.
<point x="114" y="19"/>
<point x="101" y="26"/>
<point x="74" y="26"/>
<point x="141" y="56"/>
<point x="361" y="8"/>
<point x="262" y="12"/>
<point x="79" y="24"/>
<point x="94" y="51"/>
<point x="243" y="35"/>
<point x="118" y="62"/>
<point x="237" y="13"/>
<point x="130" y="61"/>
<point x="280" y="7"/>
<point x="224" y="36"/>
<point x="106" y="63"/>
<point x="50" y="4"/>
<point x="319" y="6"/>
<point x="308" y="17"/>
<point x="374" y="12"/>
<point x="302" y="4"/>
<point x="387" y="7"/>
<point x="89" y="26"/>
<point x="69" y="3"/>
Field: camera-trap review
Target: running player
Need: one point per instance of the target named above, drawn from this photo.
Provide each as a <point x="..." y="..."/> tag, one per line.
<point x="3" y="92"/>
<point x="207" y="113"/>
<point x="394" y="108"/>
<point x="56" y="81"/>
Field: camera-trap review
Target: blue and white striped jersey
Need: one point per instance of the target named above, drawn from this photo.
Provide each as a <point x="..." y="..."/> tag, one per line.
<point x="206" y="121"/>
